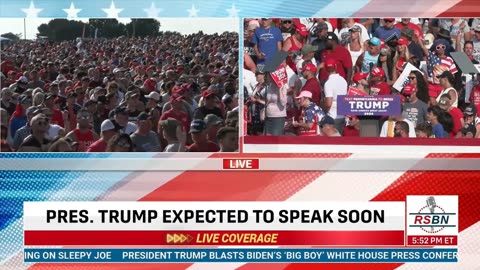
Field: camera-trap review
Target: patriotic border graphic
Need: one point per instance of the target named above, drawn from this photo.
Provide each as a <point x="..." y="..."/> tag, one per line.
<point x="57" y="185"/>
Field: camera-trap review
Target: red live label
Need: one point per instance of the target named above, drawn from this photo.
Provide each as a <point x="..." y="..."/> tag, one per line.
<point x="240" y="164"/>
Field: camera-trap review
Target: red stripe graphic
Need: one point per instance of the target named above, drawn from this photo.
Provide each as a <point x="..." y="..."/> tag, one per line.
<point x="248" y="238"/>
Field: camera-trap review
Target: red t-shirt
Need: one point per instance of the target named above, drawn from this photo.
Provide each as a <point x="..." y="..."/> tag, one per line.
<point x="181" y="117"/>
<point x="313" y="86"/>
<point x="456" y="114"/>
<point x="84" y="139"/>
<point x="208" y="147"/>
<point x="350" y="131"/>
<point x="434" y="90"/>
<point x="475" y="96"/>
<point x="344" y="62"/>
<point x="98" y="146"/>
<point x="416" y="29"/>
<point x="381" y="88"/>
<point x="57" y="118"/>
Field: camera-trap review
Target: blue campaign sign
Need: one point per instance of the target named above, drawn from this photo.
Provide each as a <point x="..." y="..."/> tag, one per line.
<point x="244" y="255"/>
<point x="369" y="105"/>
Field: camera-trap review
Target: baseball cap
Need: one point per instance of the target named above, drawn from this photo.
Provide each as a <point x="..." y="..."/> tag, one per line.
<point x="355" y="28"/>
<point x="25" y="99"/>
<point x="89" y="102"/>
<point x="446" y="74"/>
<point x="359" y="76"/>
<point x="153" y="95"/>
<point x="408" y="89"/>
<point x="144" y="116"/>
<point x="470" y="110"/>
<point x="402" y="41"/>
<point x="330" y="63"/>
<point x="120" y="110"/>
<point x="332" y="36"/>
<point x="408" y="32"/>
<point x="444" y="103"/>
<point x="378" y="72"/>
<point x="375" y="41"/>
<point x="197" y="125"/>
<point x="304" y="94"/>
<point x="213" y="120"/>
<point x="22" y="79"/>
<point x="301" y="29"/>
<point x="207" y="93"/>
<point x="130" y="94"/>
<point x="309" y="67"/>
<point x="31" y="110"/>
<point x="308" y="49"/>
<point x="389" y="19"/>
<point x="322" y="26"/>
<point x="326" y="120"/>
<point x="108" y="125"/>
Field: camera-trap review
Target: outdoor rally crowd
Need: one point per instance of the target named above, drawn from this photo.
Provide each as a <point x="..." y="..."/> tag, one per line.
<point x="324" y="58"/>
<point x="171" y="93"/>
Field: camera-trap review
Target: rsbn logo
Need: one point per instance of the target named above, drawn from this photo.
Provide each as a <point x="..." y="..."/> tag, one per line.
<point x="432" y="218"/>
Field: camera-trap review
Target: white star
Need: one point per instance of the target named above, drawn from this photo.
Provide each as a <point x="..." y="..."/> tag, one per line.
<point x="233" y="12"/>
<point x="112" y="11"/>
<point x="193" y="12"/>
<point x="152" y="11"/>
<point x="72" y="11"/>
<point x="31" y="11"/>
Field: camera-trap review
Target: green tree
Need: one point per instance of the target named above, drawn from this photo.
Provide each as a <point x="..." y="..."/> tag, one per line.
<point x="143" y="27"/>
<point x="108" y="28"/>
<point x="61" y="29"/>
<point x="12" y="36"/>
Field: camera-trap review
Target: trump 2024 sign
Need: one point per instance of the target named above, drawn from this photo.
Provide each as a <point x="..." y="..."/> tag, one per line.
<point x="369" y="105"/>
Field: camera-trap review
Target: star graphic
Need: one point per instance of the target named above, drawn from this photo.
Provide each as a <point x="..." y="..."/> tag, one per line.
<point x="193" y="12"/>
<point x="152" y="11"/>
<point x="233" y="11"/>
<point x="72" y="11"/>
<point x="31" y="11"/>
<point x="112" y="11"/>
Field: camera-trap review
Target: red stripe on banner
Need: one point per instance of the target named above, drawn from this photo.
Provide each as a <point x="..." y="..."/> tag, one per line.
<point x="109" y="266"/>
<point x="237" y="186"/>
<point x="340" y="266"/>
<point x="464" y="8"/>
<point x="215" y="238"/>
<point x="377" y="141"/>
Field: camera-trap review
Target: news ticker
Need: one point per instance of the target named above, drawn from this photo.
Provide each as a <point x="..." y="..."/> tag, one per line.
<point x="371" y="163"/>
<point x="419" y="221"/>
<point x="243" y="255"/>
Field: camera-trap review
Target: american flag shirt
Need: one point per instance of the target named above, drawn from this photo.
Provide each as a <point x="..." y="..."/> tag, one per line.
<point x="311" y="114"/>
<point x="434" y="60"/>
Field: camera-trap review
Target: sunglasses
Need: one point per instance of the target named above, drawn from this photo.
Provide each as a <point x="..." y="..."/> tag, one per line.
<point x="407" y="96"/>
<point x="84" y="117"/>
<point x="287" y="21"/>
<point x="124" y="144"/>
<point x="43" y="123"/>
<point x="388" y="21"/>
<point x="440" y="47"/>
<point x="412" y="78"/>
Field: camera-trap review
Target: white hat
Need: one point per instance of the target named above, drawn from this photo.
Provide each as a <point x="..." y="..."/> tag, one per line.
<point x="107" y="125"/>
<point x="23" y="79"/>
<point x="153" y="95"/>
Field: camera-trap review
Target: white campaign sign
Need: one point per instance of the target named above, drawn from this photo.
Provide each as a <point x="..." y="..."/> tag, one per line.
<point x="403" y="78"/>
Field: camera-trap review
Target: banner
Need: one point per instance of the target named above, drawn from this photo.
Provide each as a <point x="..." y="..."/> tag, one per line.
<point x="403" y="78"/>
<point x="280" y="75"/>
<point x="369" y="105"/>
<point x="352" y="91"/>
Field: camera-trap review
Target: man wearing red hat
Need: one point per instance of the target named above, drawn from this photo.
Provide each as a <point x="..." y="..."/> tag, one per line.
<point x="311" y="85"/>
<point x="414" y="109"/>
<point x="378" y="86"/>
<point x="295" y="43"/>
<point x="334" y="86"/>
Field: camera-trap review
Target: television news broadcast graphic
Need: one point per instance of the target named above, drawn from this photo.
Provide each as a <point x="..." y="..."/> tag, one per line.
<point x="432" y="220"/>
<point x="90" y="183"/>
<point x="377" y="227"/>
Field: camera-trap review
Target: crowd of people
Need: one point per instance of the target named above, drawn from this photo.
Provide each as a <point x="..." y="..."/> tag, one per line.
<point x="325" y="58"/>
<point x="171" y="93"/>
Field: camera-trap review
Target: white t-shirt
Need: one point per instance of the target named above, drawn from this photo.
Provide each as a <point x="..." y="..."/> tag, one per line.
<point x="129" y="129"/>
<point x="411" y="127"/>
<point x="334" y="86"/>
<point x="249" y="81"/>
<point x="53" y="131"/>
<point x="292" y="77"/>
